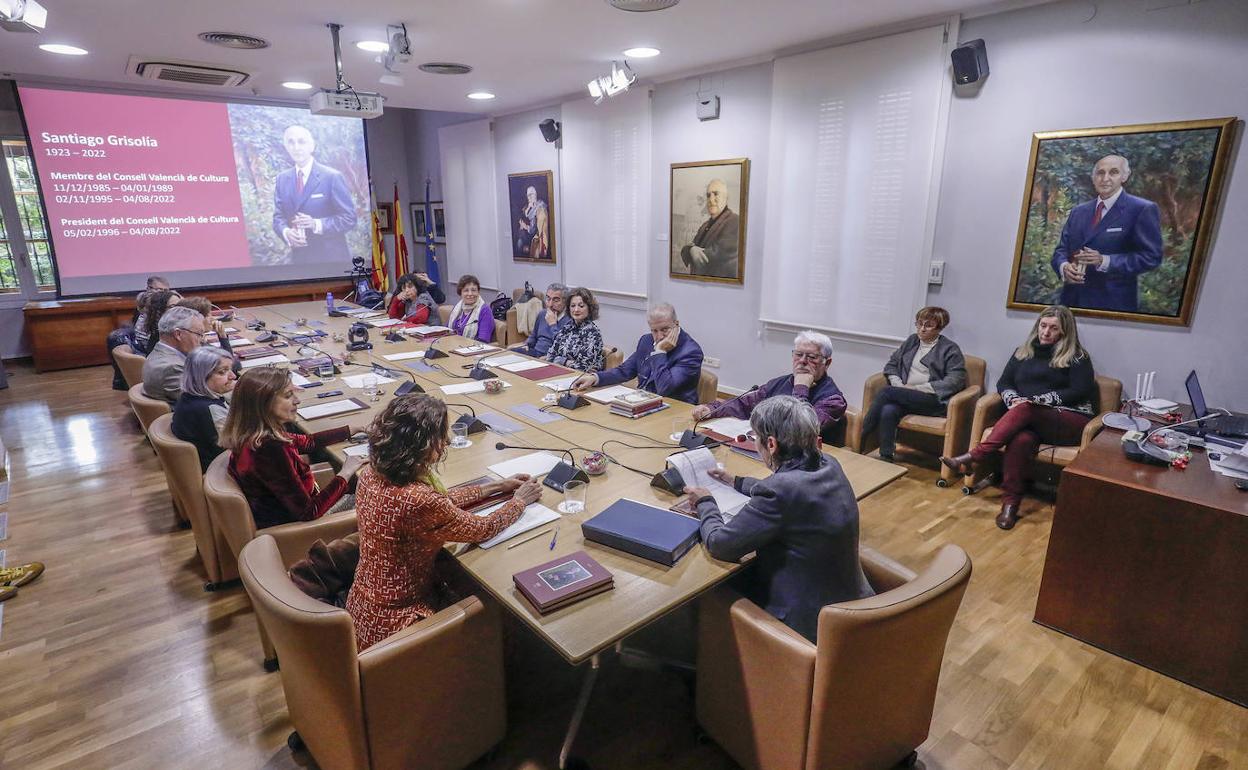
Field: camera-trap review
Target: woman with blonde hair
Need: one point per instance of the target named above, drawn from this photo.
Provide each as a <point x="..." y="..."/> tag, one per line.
<point x="266" y="458"/>
<point x="1050" y="394"/>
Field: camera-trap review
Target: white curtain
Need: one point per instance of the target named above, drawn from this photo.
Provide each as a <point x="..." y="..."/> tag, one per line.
<point x="854" y="134"/>
<point x="470" y="198"/>
<point x="606" y="193"/>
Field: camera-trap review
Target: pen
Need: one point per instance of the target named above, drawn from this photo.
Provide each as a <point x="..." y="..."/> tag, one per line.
<point x="554" y="539"/>
<point x="533" y="536"/>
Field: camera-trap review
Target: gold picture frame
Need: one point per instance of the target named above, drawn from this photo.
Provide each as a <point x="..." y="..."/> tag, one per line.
<point x="1134" y="260"/>
<point x="532" y="221"/>
<point x="707" y="236"/>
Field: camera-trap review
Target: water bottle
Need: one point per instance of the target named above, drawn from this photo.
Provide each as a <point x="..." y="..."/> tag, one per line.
<point x="329" y="302"/>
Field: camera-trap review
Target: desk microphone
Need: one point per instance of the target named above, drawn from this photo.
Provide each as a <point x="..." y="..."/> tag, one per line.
<point x="470" y="420"/>
<point x="432" y="351"/>
<point x="559" y="475"/>
<point x="1141" y="450"/>
<point x="691" y="439"/>
<point x="568" y="399"/>
<point x="382" y="370"/>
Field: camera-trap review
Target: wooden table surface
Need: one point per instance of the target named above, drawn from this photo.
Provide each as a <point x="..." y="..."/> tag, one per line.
<point x="643" y="589"/>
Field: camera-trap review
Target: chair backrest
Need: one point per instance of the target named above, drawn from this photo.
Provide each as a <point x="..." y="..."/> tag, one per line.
<point x="315" y="643"/>
<point x="877" y="664"/>
<point x="130" y="363"/>
<point x="146" y="409"/>
<point x="1109" y="391"/>
<point x="227" y="505"/>
<point x="708" y="386"/>
<point x="613" y="359"/>
<point x="444" y="313"/>
<point x="516" y="294"/>
<point x="186" y="483"/>
<point x="976" y="368"/>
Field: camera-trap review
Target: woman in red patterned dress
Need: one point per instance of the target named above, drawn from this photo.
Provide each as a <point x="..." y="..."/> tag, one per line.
<point x="406" y="515"/>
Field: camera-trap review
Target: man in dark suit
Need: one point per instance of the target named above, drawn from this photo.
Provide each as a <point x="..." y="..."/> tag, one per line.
<point x="715" y="246"/>
<point x="802" y="521"/>
<point x="1107" y="242"/>
<point x="667" y="360"/>
<point x="312" y="207"/>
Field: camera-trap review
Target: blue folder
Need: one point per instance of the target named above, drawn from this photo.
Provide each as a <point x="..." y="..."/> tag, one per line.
<point x="652" y="533"/>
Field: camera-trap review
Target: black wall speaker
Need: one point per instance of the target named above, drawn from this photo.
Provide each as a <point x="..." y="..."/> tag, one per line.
<point x="550" y="129"/>
<point x="970" y="62"/>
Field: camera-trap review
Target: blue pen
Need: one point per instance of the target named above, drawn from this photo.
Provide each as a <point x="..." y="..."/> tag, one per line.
<point x="553" y="540"/>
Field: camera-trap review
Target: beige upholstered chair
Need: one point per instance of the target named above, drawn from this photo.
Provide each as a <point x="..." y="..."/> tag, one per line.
<point x="444" y="313"/>
<point x="990" y="408"/>
<point x="708" y="386"/>
<point x="146" y="409"/>
<point x="613" y="359"/>
<point x="231" y="517"/>
<point x="429" y="696"/>
<point x="130" y="363"/>
<point x="860" y="699"/>
<point x="186" y="484"/>
<point x="954" y="427"/>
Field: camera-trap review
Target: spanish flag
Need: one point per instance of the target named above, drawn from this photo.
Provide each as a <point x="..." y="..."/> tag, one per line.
<point x="400" y="245"/>
<point x="380" y="281"/>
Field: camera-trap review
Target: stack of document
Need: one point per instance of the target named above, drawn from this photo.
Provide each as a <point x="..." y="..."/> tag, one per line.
<point x="508" y="359"/>
<point x="535" y="515"/>
<point x="694" y="466"/>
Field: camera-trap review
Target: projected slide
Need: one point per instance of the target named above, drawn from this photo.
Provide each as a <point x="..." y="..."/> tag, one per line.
<point x="206" y="193"/>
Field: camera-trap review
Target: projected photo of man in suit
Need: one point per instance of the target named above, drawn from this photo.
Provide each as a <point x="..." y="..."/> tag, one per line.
<point x="312" y="205"/>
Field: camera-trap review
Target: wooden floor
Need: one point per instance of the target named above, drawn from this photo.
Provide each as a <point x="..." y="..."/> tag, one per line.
<point x="117" y="658"/>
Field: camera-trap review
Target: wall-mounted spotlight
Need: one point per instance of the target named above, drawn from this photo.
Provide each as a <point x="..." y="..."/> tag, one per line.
<point x="609" y="85"/>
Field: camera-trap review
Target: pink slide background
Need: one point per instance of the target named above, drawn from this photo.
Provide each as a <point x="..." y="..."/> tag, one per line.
<point x="194" y="138"/>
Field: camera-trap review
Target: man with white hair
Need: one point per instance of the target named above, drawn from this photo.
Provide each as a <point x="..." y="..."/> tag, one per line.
<point x="181" y="331"/>
<point x="548" y="323"/>
<point x="667" y="361"/>
<point x="715" y="249"/>
<point x="312" y="206"/>
<point x="809" y="382"/>
<point x="1107" y="243"/>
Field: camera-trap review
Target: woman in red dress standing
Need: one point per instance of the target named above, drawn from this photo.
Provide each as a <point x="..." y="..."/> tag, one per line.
<point x="406" y="515"/>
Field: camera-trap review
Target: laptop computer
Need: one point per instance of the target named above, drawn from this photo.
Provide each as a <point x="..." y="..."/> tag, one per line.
<point x="1223" y="425"/>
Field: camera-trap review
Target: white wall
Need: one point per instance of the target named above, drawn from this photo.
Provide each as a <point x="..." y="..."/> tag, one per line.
<point x="420" y="135"/>
<point x="387" y="165"/>
<point x="1178" y="63"/>
<point x="519" y="147"/>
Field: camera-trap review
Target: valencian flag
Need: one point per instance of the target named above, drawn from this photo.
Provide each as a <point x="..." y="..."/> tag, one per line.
<point x="431" y="253"/>
<point x="380" y="281"/>
<point x="400" y="245"/>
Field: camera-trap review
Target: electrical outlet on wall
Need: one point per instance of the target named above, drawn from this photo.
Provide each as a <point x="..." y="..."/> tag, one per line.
<point x="936" y="271"/>
<point x="711" y="362"/>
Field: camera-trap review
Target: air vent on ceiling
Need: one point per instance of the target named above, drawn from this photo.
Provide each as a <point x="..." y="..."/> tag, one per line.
<point x="234" y="40"/>
<point x="186" y="72"/>
<point x="641" y="6"/>
<point x="445" y="68"/>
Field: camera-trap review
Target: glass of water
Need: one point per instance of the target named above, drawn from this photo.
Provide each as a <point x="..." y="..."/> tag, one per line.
<point x="326" y="372"/>
<point x="371" y="389"/>
<point x="459" y="436"/>
<point x="573" y="497"/>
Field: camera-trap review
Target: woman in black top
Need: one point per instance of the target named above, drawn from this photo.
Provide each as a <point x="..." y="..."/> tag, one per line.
<point x="1050" y="394"/>
<point x="201" y="409"/>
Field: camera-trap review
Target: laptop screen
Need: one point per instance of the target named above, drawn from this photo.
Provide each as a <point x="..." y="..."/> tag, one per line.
<point x="1199" y="409"/>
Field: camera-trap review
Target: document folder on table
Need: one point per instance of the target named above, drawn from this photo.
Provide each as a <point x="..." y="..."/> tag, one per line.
<point x="643" y="530"/>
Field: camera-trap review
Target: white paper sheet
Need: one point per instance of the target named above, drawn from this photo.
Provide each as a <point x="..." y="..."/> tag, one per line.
<point x="382" y="323"/>
<point x="357" y="380"/>
<point x="607" y="395"/>
<point x="469" y="350"/>
<point x="563" y="383"/>
<point x="265" y="360"/>
<point x="476" y="386"/>
<point x="510" y="358"/>
<point x="534" y="464"/>
<point x="298" y="380"/>
<point x="405" y="356"/>
<point x="534" y="516"/>
<point x="314" y="411"/>
<point x="727" y="426"/>
<point x="524" y="366"/>
<point x="427" y="329"/>
<point x="693" y="467"/>
<point x="356" y="450"/>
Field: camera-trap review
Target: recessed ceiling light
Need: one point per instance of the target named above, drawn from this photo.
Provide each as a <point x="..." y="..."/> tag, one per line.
<point x="481" y="95"/>
<point x="67" y="50"/>
<point x="297" y="85"/>
<point x="373" y="46"/>
<point x="642" y="52"/>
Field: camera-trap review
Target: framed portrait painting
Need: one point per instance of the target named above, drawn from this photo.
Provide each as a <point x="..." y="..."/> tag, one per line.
<point x="1116" y="221"/>
<point x="385" y="217"/>
<point x="420" y="226"/>
<point x="531" y="208"/>
<point x="708" y="213"/>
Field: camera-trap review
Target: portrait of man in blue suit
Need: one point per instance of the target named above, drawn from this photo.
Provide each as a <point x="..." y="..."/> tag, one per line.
<point x="312" y="206"/>
<point x="1107" y="243"/>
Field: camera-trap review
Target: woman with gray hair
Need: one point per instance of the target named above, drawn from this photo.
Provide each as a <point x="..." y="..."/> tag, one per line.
<point x="201" y="409"/>
<point x="802" y="521"/>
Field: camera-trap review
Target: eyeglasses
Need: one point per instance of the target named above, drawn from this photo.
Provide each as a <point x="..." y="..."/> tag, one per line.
<point x="814" y="358"/>
<point x="926" y="325"/>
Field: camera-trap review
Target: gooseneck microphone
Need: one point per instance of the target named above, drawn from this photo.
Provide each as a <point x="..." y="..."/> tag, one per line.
<point x="559" y="475"/>
<point x="470" y="420"/>
<point x="691" y="439"/>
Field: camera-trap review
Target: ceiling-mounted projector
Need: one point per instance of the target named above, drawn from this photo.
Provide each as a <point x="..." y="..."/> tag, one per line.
<point x="23" y="16"/>
<point x="346" y="104"/>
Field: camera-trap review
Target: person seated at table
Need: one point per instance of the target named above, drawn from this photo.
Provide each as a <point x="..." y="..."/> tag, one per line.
<point x="923" y="374"/>
<point x="147" y="334"/>
<point x="667" y="361"/>
<point x="1049" y="390"/>
<point x="809" y="381"/>
<point x="204" y="307"/>
<point x="425" y="285"/>
<point x="549" y="322"/>
<point x="471" y="316"/>
<point x="802" y="521"/>
<point x="406" y="515"/>
<point x="266" y="458"/>
<point x="200" y="412"/>
<point x="579" y="344"/>
<point x="124" y="335"/>
<point x="181" y="330"/>
<point x="410" y="304"/>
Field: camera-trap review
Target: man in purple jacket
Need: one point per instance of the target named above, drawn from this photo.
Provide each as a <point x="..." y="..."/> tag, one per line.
<point x="667" y="360"/>
<point x="809" y="382"/>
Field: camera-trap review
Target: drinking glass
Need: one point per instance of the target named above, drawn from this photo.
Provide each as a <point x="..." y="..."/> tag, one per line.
<point x="459" y="436"/>
<point x="370" y="387"/>
<point x="679" y="426"/>
<point x="326" y="372"/>
<point x="573" y="497"/>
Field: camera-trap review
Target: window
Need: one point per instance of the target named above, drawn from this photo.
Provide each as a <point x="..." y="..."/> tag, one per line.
<point x="34" y="228"/>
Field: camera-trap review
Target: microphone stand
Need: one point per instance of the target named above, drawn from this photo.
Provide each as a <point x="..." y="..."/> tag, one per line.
<point x="561" y="474"/>
<point x="691" y="439"/>
<point x="473" y="424"/>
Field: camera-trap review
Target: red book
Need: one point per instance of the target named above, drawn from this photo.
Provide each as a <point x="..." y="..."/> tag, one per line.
<point x="544" y="373"/>
<point x="563" y="581"/>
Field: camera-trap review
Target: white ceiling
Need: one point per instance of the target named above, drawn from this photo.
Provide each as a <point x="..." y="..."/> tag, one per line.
<point x="528" y="52"/>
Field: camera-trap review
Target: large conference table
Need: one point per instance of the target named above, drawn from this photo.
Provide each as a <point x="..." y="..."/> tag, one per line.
<point x="644" y="591"/>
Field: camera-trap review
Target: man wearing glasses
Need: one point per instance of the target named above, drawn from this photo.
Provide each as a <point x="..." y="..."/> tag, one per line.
<point x="812" y="353"/>
<point x="181" y="331"/>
